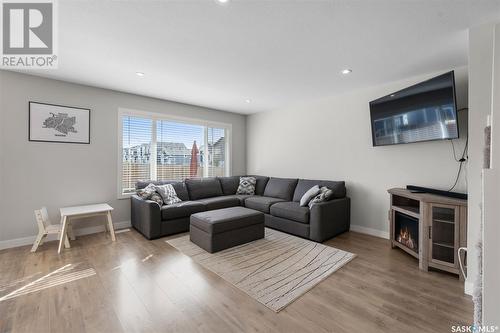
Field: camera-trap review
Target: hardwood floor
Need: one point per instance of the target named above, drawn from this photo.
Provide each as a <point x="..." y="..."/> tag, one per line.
<point x="148" y="286"/>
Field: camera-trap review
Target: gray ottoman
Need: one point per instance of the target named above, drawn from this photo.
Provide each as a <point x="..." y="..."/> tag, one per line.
<point x="220" y="229"/>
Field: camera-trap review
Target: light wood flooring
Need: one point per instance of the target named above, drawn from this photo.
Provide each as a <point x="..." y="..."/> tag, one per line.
<point x="148" y="286"/>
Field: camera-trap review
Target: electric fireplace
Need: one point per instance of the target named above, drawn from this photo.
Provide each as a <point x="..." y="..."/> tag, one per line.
<point x="430" y="228"/>
<point x="406" y="231"/>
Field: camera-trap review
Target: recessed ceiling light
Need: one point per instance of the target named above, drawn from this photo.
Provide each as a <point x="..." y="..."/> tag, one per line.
<point x="248" y="100"/>
<point x="223" y="1"/>
<point x="346" y="71"/>
<point x="141" y="74"/>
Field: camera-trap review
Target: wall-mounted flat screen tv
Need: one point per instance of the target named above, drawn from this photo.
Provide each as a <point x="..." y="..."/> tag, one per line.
<point x="423" y="112"/>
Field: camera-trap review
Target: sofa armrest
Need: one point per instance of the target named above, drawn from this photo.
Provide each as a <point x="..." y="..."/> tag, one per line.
<point x="146" y="217"/>
<point x="329" y="219"/>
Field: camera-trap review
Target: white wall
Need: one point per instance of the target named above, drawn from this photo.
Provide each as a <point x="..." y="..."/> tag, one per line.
<point x="331" y="139"/>
<point x="484" y="92"/>
<point x="481" y="47"/>
<point x="56" y="175"/>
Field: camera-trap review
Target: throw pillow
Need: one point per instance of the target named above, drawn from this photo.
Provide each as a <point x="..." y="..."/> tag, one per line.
<point x="247" y="185"/>
<point x="145" y="193"/>
<point x="168" y="194"/>
<point x="309" y="195"/>
<point x="325" y="195"/>
<point x="149" y="193"/>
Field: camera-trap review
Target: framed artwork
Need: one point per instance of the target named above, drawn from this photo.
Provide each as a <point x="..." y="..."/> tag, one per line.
<point x="58" y="123"/>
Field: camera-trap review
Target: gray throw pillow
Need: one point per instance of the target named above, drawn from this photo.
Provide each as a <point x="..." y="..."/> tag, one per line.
<point x="325" y="195"/>
<point x="149" y="193"/>
<point x="168" y="194"/>
<point x="309" y="195"/>
<point x="247" y="185"/>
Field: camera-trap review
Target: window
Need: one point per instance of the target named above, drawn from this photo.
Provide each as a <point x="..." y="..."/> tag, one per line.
<point x="136" y="153"/>
<point x="216" y="143"/>
<point x="155" y="147"/>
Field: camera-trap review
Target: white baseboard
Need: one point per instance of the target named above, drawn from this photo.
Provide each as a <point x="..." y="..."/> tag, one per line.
<point x="370" y="231"/>
<point x="7" y="244"/>
<point x="469" y="288"/>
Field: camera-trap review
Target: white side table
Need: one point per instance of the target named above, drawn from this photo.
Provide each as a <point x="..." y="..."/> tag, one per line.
<point x="68" y="213"/>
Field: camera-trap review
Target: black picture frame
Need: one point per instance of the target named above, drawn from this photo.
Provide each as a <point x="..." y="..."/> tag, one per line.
<point x="31" y="103"/>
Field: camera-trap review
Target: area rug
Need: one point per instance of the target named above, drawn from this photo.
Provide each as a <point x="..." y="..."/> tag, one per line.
<point x="275" y="270"/>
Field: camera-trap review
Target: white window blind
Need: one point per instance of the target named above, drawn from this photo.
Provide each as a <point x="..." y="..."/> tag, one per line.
<point x="154" y="148"/>
<point x="136" y="155"/>
<point x="216" y="142"/>
<point x="178" y="150"/>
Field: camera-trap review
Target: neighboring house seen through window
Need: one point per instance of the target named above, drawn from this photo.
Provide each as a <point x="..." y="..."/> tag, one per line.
<point x="154" y="147"/>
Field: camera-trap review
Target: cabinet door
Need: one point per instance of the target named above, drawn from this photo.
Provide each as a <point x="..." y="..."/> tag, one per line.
<point x="444" y="230"/>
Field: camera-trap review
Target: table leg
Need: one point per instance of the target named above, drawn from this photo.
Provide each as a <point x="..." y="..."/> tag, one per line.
<point x="62" y="235"/>
<point x="66" y="241"/>
<point x="110" y="227"/>
<point x="70" y="231"/>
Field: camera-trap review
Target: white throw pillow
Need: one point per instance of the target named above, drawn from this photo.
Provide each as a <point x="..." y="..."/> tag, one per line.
<point x="168" y="194"/>
<point x="311" y="193"/>
<point x="324" y="195"/>
<point x="149" y="193"/>
<point x="247" y="185"/>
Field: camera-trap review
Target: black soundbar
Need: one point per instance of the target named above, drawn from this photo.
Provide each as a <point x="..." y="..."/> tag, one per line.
<point x="419" y="189"/>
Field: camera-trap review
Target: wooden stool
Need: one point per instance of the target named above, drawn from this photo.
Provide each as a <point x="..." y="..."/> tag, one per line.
<point x="45" y="228"/>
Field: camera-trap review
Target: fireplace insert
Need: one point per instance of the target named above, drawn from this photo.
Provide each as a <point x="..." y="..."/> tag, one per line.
<point x="406" y="231"/>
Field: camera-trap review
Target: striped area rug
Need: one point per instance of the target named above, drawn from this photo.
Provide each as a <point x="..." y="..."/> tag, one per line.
<point x="275" y="270"/>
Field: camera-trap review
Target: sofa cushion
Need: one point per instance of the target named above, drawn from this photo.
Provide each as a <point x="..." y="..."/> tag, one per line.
<point x="229" y="184"/>
<point x="291" y="210"/>
<point x="220" y="202"/>
<point x="181" y="209"/>
<point x="260" y="185"/>
<point x="281" y="188"/>
<point x="201" y="188"/>
<point x="179" y="187"/>
<point x="338" y="187"/>
<point x="240" y="197"/>
<point x="261" y="203"/>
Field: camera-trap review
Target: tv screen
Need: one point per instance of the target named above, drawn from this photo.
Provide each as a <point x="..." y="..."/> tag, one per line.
<point x="423" y="112"/>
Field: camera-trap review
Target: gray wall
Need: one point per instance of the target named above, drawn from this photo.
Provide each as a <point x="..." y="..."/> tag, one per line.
<point x="331" y="139"/>
<point x="56" y="175"/>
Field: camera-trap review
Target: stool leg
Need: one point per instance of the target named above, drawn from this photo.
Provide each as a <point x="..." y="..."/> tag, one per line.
<point x="38" y="241"/>
<point x="43" y="238"/>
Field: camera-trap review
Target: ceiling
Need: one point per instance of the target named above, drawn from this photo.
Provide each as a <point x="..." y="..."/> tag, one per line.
<point x="275" y="53"/>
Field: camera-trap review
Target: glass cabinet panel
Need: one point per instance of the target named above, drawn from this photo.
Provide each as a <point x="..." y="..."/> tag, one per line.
<point x="443" y="233"/>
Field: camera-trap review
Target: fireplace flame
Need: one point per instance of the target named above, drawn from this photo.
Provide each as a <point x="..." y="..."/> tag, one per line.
<point x="406" y="239"/>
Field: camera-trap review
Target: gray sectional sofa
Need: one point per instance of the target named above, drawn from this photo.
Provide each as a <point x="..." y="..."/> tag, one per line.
<point x="277" y="198"/>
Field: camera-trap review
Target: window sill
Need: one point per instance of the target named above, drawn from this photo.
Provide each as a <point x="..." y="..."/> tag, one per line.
<point x="124" y="196"/>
